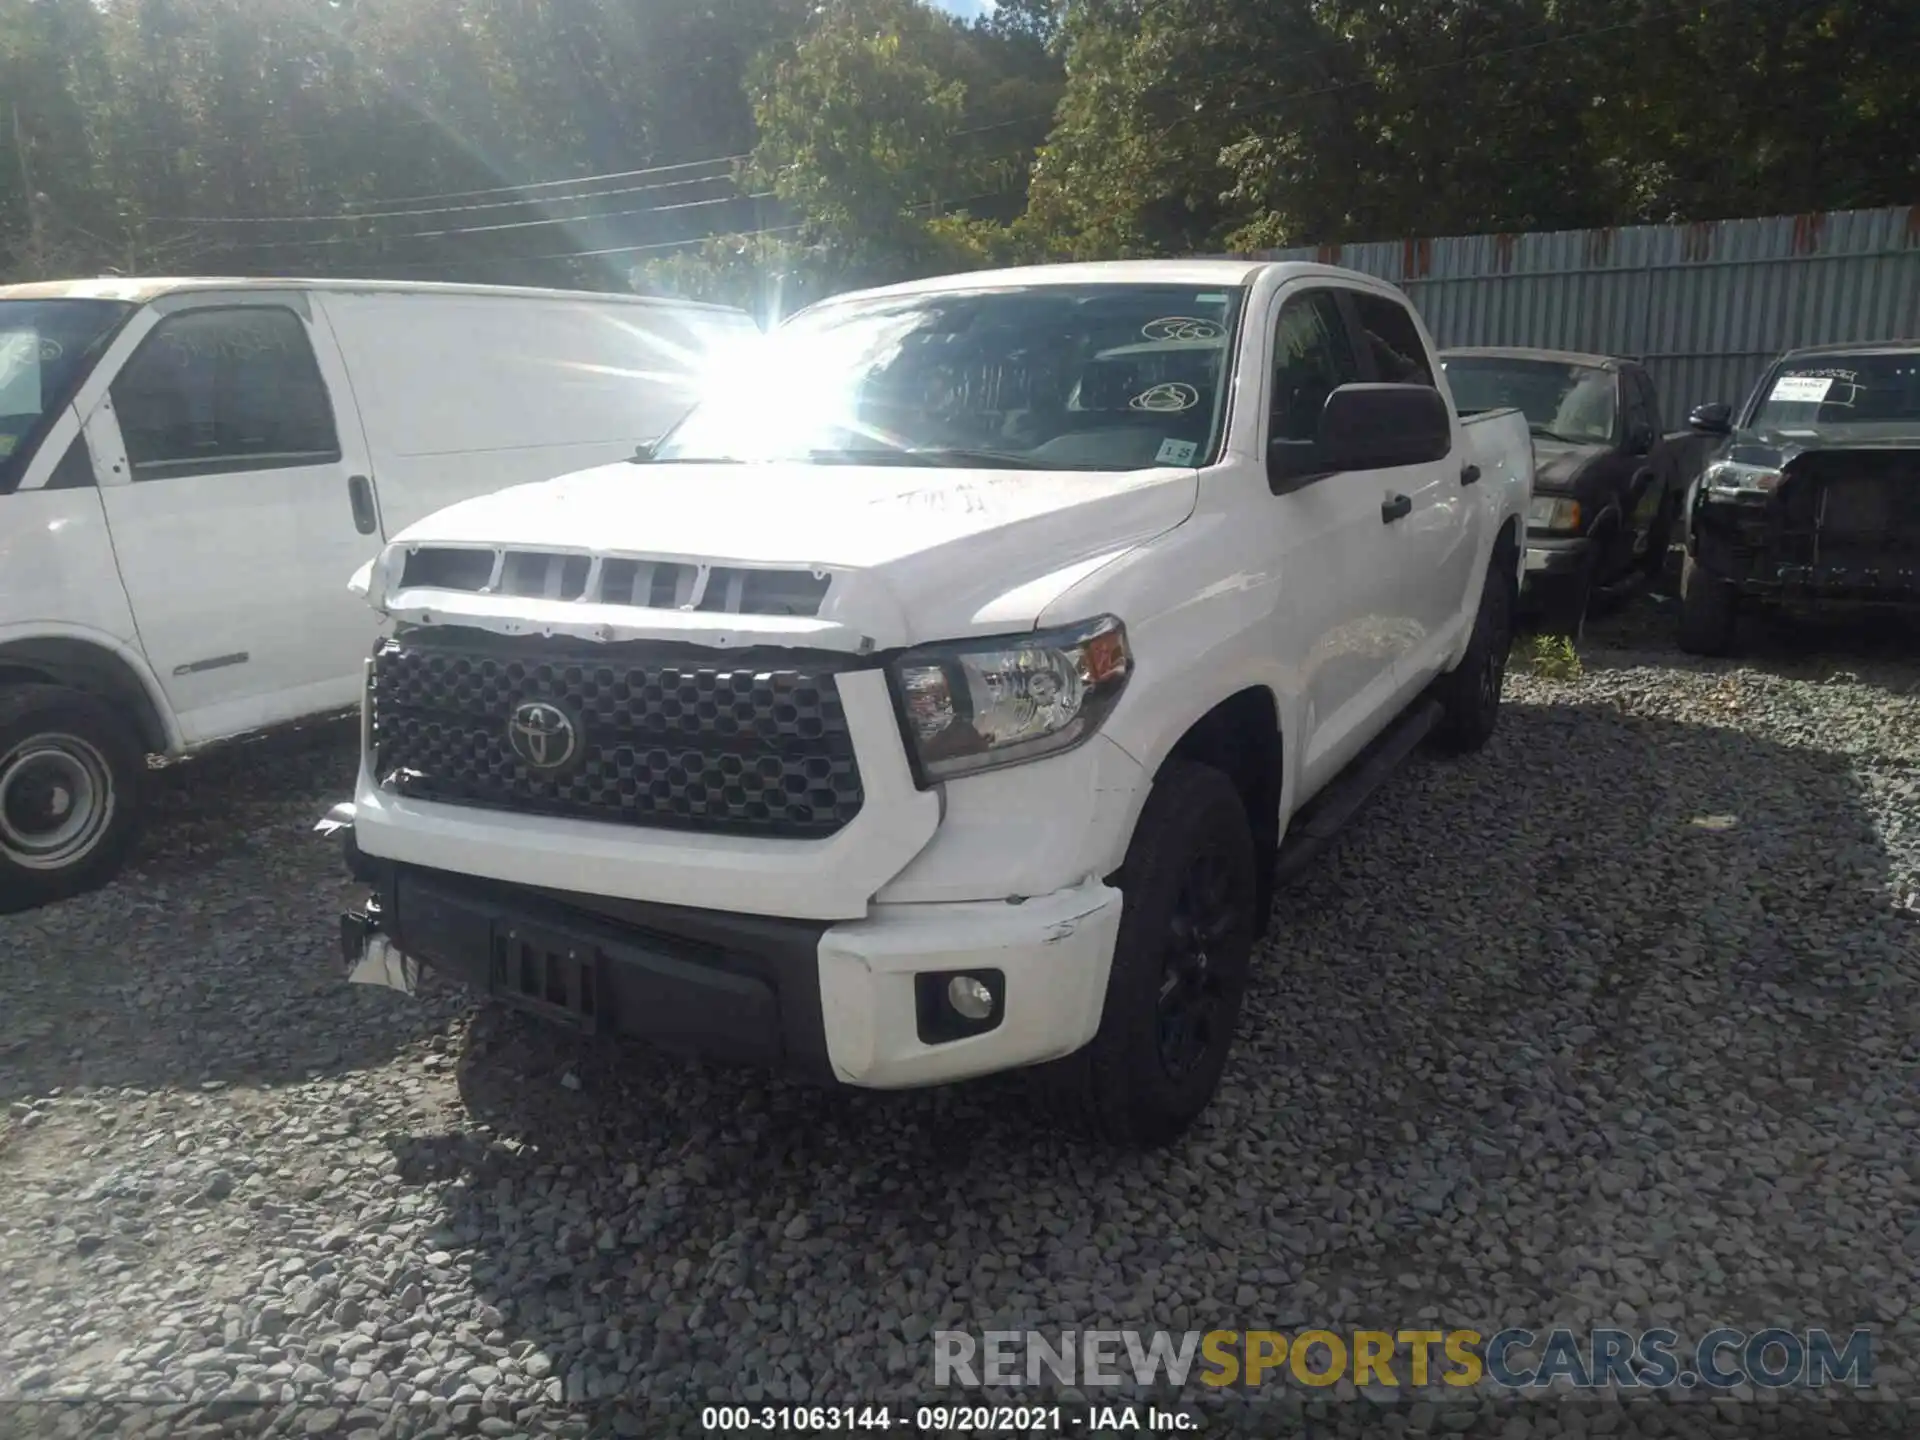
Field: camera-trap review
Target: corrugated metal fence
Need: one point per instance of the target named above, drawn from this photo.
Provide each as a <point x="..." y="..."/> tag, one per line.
<point x="1705" y="306"/>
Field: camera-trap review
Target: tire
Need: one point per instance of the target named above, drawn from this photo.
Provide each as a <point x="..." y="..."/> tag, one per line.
<point x="70" y="773"/>
<point x="1179" y="968"/>
<point x="1469" y="694"/>
<point x="1709" y="609"/>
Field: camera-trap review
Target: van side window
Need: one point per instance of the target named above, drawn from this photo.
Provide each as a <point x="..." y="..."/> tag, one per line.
<point x="212" y="392"/>
<point x="1312" y="357"/>
<point x="1398" y="356"/>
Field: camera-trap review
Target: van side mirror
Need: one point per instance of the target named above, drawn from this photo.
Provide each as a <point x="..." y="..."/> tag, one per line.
<point x="1640" y="440"/>
<point x="1365" y="427"/>
<point x="1713" y="419"/>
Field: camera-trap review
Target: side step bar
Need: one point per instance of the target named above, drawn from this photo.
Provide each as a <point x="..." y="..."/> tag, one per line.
<point x="1349" y="791"/>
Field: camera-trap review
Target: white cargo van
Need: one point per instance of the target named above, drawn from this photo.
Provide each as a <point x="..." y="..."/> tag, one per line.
<point x="191" y="469"/>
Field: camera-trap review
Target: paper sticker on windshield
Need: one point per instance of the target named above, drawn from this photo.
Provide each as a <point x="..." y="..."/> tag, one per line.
<point x="1170" y="398"/>
<point x="6" y="445"/>
<point x="1181" y="327"/>
<point x="1176" y="452"/>
<point x="1801" y="389"/>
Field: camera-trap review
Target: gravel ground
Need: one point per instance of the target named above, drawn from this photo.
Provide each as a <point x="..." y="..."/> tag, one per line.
<point x="1615" y="1023"/>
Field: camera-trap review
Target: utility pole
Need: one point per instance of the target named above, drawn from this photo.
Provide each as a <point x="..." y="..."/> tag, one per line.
<point x="36" y="226"/>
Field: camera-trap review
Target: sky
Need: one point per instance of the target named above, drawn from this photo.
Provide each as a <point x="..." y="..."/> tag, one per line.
<point x="966" y="9"/>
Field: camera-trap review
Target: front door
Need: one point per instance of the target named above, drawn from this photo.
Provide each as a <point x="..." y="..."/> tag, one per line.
<point x="1435" y="542"/>
<point x="1337" y="582"/>
<point x="234" y="481"/>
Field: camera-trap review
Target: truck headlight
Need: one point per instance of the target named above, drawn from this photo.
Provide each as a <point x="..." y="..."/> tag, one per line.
<point x="979" y="704"/>
<point x="1733" y="477"/>
<point x="1548" y="512"/>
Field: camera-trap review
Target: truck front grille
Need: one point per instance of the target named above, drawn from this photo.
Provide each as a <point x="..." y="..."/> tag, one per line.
<point x="634" y="735"/>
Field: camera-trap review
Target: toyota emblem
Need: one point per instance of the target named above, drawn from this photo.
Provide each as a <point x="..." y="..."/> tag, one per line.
<point x="542" y="735"/>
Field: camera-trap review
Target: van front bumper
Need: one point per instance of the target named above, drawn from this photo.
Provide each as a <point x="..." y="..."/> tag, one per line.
<point x="861" y="1002"/>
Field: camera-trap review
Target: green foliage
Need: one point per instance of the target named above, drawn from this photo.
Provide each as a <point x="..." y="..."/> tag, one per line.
<point x="1553" y="657"/>
<point x="885" y="139"/>
<point x="1218" y="124"/>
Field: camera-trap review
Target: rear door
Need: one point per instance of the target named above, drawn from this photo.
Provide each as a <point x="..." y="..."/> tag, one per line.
<point x="235" y="487"/>
<point x="1434" y="544"/>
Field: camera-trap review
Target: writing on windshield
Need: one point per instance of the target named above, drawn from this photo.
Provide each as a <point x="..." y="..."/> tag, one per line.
<point x="1046" y="377"/>
<point x="1841" y="390"/>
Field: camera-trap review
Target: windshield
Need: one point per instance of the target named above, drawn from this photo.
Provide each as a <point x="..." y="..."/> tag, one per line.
<point x="1046" y="377"/>
<point x="46" y="347"/>
<point x="1838" y="392"/>
<point x="1560" y="401"/>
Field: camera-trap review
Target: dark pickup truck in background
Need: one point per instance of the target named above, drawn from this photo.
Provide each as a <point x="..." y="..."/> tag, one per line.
<point x="1609" y="483"/>
<point x="1811" y="496"/>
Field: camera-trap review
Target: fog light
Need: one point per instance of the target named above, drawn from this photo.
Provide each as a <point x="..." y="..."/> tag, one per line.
<point x="970" y="999"/>
<point x="951" y="1005"/>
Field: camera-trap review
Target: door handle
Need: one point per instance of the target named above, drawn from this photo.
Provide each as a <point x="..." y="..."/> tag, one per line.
<point x="1395" y="507"/>
<point x="360" y="495"/>
<point x="1469" y="474"/>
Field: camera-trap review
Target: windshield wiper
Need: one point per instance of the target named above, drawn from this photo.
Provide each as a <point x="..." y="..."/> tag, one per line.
<point x="686" y="460"/>
<point x="1544" y="433"/>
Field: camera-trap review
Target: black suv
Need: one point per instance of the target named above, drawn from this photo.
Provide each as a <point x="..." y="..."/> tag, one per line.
<point x="1812" y="495"/>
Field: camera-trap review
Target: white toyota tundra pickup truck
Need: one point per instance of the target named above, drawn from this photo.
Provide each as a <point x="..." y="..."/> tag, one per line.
<point x="945" y="694"/>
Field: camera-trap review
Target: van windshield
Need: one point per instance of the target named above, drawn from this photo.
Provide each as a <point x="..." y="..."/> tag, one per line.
<point x="1043" y="377"/>
<point x="46" y="349"/>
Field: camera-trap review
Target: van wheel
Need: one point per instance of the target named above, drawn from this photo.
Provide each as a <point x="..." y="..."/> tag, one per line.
<point x="1709" y="608"/>
<point x="70" y="771"/>
<point x="1179" y="967"/>
<point x="1469" y="694"/>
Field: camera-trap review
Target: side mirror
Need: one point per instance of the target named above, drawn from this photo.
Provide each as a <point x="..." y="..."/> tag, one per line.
<point x="1714" y="419"/>
<point x="1640" y="441"/>
<point x="1366" y="427"/>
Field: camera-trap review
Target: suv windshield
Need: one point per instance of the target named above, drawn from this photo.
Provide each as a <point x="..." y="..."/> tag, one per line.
<point x="46" y="347"/>
<point x="1046" y="377"/>
<point x="1560" y="401"/>
<point x="1839" y="392"/>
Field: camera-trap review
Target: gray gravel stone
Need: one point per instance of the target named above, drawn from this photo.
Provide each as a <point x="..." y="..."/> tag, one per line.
<point x="1613" y="1023"/>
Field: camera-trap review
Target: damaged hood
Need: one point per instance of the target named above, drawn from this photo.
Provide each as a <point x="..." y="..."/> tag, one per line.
<point x="909" y="553"/>
<point x="1559" y="465"/>
<point x="1779" y="448"/>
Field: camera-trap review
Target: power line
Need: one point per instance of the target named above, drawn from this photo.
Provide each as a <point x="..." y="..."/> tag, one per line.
<point x="373" y="214"/>
<point x="667" y="244"/>
<point x="576" y="180"/>
<point x="325" y="241"/>
<point x="442" y="209"/>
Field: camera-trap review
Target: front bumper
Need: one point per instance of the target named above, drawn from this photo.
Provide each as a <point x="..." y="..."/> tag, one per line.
<point x="1746" y="559"/>
<point x="1553" y="562"/>
<point x="837" y="1002"/>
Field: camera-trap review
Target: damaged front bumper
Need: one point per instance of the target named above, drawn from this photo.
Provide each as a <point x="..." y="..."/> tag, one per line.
<point x="370" y="957"/>
<point x="859" y="1002"/>
<point x="1840" y="530"/>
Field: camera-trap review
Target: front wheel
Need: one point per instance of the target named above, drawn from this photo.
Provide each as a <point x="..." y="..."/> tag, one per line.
<point x="1179" y="967"/>
<point x="1469" y="694"/>
<point x="70" y="771"/>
